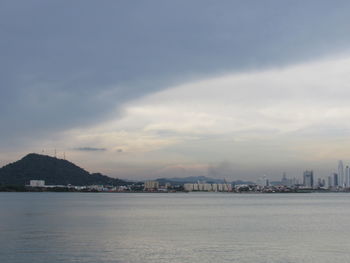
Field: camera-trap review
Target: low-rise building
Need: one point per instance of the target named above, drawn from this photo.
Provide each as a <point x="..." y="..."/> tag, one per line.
<point x="37" y="183"/>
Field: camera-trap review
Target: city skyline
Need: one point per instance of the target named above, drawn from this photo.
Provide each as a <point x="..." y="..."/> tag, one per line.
<point x="340" y="178"/>
<point x="162" y="89"/>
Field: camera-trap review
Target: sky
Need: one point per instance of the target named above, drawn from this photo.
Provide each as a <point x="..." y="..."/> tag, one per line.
<point x="148" y="89"/>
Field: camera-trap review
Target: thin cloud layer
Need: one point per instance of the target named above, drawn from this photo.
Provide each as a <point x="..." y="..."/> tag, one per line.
<point x="277" y="120"/>
<point x="90" y="149"/>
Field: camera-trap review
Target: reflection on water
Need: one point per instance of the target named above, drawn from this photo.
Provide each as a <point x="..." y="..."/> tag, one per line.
<point x="195" y="227"/>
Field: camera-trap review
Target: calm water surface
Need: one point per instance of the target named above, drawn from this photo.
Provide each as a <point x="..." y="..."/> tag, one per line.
<point x="195" y="227"/>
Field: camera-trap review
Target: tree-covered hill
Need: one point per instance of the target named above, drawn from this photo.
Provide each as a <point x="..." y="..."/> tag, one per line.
<point x="53" y="170"/>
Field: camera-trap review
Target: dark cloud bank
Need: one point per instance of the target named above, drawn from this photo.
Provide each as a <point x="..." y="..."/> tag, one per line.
<point x="69" y="63"/>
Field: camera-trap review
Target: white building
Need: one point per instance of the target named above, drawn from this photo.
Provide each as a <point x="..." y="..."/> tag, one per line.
<point x="189" y="187"/>
<point x="37" y="183"/>
<point x="341" y="180"/>
<point x="151" y="185"/>
<point x="98" y="188"/>
<point x="207" y="187"/>
<point x="263" y="181"/>
<point x="308" y="179"/>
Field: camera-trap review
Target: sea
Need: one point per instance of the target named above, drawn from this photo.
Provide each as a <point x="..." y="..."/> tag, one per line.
<point x="174" y="227"/>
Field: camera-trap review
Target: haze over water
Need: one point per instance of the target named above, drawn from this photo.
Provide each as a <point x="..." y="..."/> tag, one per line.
<point x="181" y="227"/>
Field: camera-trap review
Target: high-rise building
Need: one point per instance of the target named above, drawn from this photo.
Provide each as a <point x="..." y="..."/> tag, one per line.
<point x="263" y="181"/>
<point x="329" y="181"/>
<point x="151" y="186"/>
<point x="335" y="180"/>
<point x="321" y="182"/>
<point x="286" y="181"/>
<point x="346" y="181"/>
<point x="308" y="179"/>
<point x="340" y="173"/>
<point x="295" y="181"/>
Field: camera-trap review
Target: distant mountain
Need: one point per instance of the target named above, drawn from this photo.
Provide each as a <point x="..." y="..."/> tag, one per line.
<point x="53" y="170"/>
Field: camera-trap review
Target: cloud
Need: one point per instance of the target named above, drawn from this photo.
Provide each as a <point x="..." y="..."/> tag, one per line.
<point x="263" y="122"/>
<point x="278" y="101"/>
<point x="90" y="149"/>
<point x="69" y="67"/>
<point x="170" y="82"/>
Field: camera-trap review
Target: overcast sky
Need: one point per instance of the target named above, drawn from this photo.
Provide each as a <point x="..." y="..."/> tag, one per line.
<point x="146" y="89"/>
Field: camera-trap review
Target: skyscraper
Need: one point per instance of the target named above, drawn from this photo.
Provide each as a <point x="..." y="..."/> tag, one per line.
<point x="308" y="179"/>
<point x="335" y="179"/>
<point x="285" y="181"/>
<point x="341" y="173"/>
<point x="329" y="182"/>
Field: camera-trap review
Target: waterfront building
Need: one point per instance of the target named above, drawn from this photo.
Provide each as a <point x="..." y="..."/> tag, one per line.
<point x="335" y="180"/>
<point x="200" y="187"/>
<point x="189" y="187"/>
<point x="37" y="183"/>
<point x="208" y="187"/>
<point x="204" y="187"/>
<point x="151" y="186"/>
<point x="295" y="181"/>
<point x="288" y="182"/>
<point x="308" y="179"/>
<point x="329" y="181"/>
<point x="122" y="188"/>
<point x="284" y="180"/>
<point x="263" y="181"/>
<point x="340" y="173"/>
<point x="220" y="187"/>
<point x="99" y="188"/>
<point x="321" y="183"/>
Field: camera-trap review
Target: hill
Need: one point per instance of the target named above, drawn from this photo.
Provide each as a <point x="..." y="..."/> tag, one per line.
<point x="53" y="170"/>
